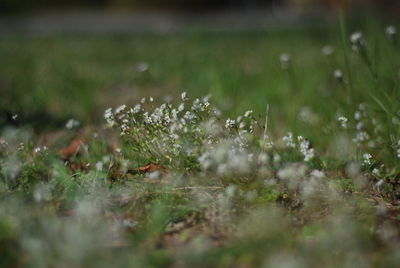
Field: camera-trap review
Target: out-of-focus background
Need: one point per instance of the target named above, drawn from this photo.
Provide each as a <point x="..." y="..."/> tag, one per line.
<point x="73" y="59"/>
<point x="10" y="6"/>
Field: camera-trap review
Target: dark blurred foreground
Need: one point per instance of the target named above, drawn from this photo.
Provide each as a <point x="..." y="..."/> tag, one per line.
<point x="12" y="6"/>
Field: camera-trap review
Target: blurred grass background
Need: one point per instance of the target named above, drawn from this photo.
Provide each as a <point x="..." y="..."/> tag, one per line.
<point x="58" y="77"/>
<point x="49" y="79"/>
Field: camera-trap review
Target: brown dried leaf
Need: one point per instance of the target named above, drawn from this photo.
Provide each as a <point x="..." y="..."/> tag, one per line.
<point x="150" y="167"/>
<point x="76" y="147"/>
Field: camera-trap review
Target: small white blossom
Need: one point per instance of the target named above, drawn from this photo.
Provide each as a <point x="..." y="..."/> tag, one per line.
<point x="136" y="109"/>
<point x="109" y="116"/>
<point x="248" y="113"/>
<point x="263" y="159"/>
<point x="367" y="159"/>
<point x="120" y="109"/>
<point x="317" y="174"/>
<point x="357" y="115"/>
<point x="391" y="31"/>
<point x="361" y="136"/>
<point x="376" y="172"/>
<point x="142" y="66"/>
<point x="359" y="125"/>
<point x="72" y="123"/>
<point x="184" y="96"/>
<point x="288" y="140"/>
<point x="285" y="60"/>
<point x="343" y="121"/>
<point x="327" y="50"/>
<point x="229" y="123"/>
<point x="99" y="166"/>
<point x="356" y="38"/>
<point x="338" y="74"/>
<point x="306" y="149"/>
<point x="380" y="183"/>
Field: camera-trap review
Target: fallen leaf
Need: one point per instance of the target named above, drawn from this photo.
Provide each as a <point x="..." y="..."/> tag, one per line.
<point x="76" y="147"/>
<point x="150" y="167"/>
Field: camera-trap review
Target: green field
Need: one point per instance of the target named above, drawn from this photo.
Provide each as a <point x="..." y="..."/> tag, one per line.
<point x="309" y="178"/>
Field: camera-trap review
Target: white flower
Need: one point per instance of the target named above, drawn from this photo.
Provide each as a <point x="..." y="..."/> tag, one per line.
<point x="357" y="115"/>
<point x="136" y="109"/>
<point x="154" y="175"/>
<point x="376" y="172"/>
<point x="367" y="159"/>
<point x="317" y="174"/>
<point x="142" y="67"/>
<point x="391" y="31"/>
<point x="230" y="123"/>
<point x="205" y="160"/>
<point x="285" y="60"/>
<point x="109" y="116"/>
<point x="285" y="57"/>
<point x="356" y="38"/>
<point x="398" y="149"/>
<point x="263" y="159"/>
<point x="359" y="125"/>
<point x="308" y="116"/>
<point x="288" y="140"/>
<point x="248" y="113"/>
<point x="184" y="96"/>
<point x="338" y="74"/>
<point x="343" y="121"/>
<point x="380" y="183"/>
<point x="72" y="123"/>
<point x="99" y="166"/>
<point x="306" y="149"/>
<point x="292" y="171"/>
<point x="327" y="50"/>
<point x="120" y="109"/>
<point x="361" y="136"/>
<point x="189" y="116"/>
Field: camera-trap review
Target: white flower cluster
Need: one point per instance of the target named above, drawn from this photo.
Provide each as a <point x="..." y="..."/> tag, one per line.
<point x="367" y="159"/>
<point x="169" y="131"/>
<point x="188" y="135"/>
<point x="306" y="149"/>
<point x="39" y="149"/>
<point x="304" y="146"/>
<point x="361" y="125"/>
<point x="343" y="121"/>
<point x="288" y="140"/>
<point x="227" y="158"/>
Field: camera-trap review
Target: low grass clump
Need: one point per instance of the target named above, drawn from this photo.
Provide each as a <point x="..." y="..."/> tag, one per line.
<point x="180" y="182"/>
